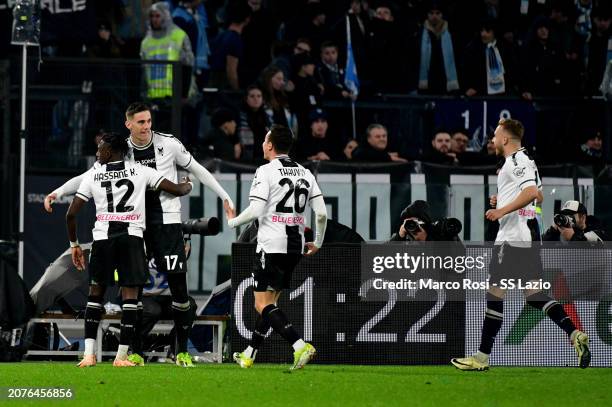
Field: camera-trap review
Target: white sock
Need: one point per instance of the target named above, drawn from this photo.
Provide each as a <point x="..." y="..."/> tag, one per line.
<point x="122" y="351"/>
<point x="299" y="344"/>
<point x="90" y="346"/>
<point x="250" y="352"/>
<point x="481" y="357"/>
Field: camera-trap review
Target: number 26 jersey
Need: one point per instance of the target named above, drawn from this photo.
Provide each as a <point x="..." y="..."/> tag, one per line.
<point x="286" y="188"/>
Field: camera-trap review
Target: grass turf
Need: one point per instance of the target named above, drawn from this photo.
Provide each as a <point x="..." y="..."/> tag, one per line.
<point x="321" y="385"/>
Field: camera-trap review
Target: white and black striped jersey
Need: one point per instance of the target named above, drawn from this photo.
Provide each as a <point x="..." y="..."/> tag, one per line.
<point x="164" y="152"/>
<point x="286" y="187"/>
<point x="118" y="190"/>
<point x="518" y="172"/>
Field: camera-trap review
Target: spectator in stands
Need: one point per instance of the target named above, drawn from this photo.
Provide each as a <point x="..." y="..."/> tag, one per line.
<point x="311" y="23"/>
<point x="331" y="73"/>
<point x="437" y="66"/>
<point x="540" y="63"/>
<point x="599" y="49"/>
<point x="387" y="52"/>
<point x="375" y="150"/>
<point x="276" y="102"/>
<point x="307" y="91"/>
<point x="441" y="149"/>
<point x="284" y="57"/>
<point x="253" y="124"/>
<point x="191" y="17"/>
<point x="316" y="145"/>
<point x="350" y="146"/>
<point x="106" y="44"/>
<point x="258" y="37"/>
<point x="164" y="41"/>
<point x="486" y="64"/>
<point x="359" y="21"/>
<point x="222" y="141"/>
<point x="227" y="49"/>
<point x="563" y="34"/>
<point x="590" y="151"/>
<point x="132" y="26"/>
<point x="459" y="141"/>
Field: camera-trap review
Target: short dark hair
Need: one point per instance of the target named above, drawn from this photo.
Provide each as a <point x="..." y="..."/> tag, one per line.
<point x="117" y="142"/>
<point x="461" y="130"/>
<point x="281" y="138"/>
<point x="136" y="107"/>
<point x="328" y="44"/>
<point x="514" y="127"/>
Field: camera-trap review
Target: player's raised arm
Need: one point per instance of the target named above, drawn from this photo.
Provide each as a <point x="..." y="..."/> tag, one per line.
<point x="68" y="188"/>
<point x="186" y="160"/>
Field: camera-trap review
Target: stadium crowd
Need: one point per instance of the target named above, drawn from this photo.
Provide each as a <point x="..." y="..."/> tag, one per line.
<point x="287" y="59"/>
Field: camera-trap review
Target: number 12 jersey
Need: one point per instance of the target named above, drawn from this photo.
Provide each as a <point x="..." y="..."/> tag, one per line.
<point x="118" y="189"/>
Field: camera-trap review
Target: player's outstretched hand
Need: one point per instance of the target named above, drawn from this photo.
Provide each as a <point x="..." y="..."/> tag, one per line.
<point x="78" y="259"/>
<point x="230" y="212"/>
<point x="312" y="249"/>
<point x="494" y="214"/>
<point x="49" y="199"/>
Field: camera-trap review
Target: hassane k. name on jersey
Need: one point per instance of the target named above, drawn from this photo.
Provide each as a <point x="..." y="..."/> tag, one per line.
<point x="518" y="172"/>
<point x="118" y="190"/>
<point x="164" y="152"/>
<point x="286" y="187"/>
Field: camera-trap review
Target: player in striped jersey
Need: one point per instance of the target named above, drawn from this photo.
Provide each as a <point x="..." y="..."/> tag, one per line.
<point x="117" y="187"/>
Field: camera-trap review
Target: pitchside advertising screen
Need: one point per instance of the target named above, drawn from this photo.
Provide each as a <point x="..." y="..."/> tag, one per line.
<point x="381" y="303"/>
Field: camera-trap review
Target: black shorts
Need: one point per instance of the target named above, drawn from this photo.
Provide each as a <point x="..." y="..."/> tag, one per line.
<point x="124" y="253"/>
<point x="273" y="271"/>
<point x="166" y="245"/>
<point x="509" y="262"/>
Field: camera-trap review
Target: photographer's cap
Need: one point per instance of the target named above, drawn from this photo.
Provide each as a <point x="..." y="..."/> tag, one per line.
<point x="418" y="209"/>
<point x="573" y="207"/>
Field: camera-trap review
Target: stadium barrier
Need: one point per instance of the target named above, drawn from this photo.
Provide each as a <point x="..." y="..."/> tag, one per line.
<point x="366" y="197"/>
<point x="217" y="322"/>
<point x="326" y="305"/>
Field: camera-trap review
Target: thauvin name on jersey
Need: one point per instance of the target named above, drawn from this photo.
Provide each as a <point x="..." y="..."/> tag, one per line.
<point x="110" y="175"/>
<point x="292" y="172"/>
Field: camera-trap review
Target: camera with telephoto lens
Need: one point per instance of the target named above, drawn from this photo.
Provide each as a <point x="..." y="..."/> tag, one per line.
<point x="444" y="229"/>
<point x="564" y="221"/>
<point x="447" y="228"/>
<point x="202" y="226"/>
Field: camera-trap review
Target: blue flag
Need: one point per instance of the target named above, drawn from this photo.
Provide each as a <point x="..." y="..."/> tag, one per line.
<point x="351" y="81"/>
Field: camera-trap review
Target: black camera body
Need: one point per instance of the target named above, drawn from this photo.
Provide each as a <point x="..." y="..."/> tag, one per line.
<point x="443" y="229"/>
<point x="202" y="226"/>
<point x="564" y="221"/>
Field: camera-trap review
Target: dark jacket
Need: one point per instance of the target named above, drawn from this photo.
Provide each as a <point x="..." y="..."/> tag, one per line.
<point x="594" y="232"/>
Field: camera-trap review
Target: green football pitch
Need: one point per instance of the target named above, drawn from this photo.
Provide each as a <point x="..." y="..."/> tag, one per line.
<point x="320" y="385"/>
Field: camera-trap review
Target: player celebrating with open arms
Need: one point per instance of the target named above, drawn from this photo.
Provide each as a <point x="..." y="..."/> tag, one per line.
<point x="163" y="235"/>
<point x="278" y="198"/>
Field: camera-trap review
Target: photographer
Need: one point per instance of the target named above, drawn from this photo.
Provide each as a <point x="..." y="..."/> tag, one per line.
<point x="418" y="226"/>
<point x="573" y="224"/>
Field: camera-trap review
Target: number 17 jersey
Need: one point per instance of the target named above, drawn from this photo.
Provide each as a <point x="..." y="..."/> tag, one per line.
<point x="118" y="189"/>
<point x="286" y="188"/>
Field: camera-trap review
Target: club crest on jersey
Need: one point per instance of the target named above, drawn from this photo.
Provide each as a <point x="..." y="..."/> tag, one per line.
<point x="160" y="150"/>
<point x="519" y="171"/>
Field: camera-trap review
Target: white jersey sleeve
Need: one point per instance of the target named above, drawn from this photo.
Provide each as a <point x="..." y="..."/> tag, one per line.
<point x="182" y="157"/>
<point x="260" y="187"/>
<point x="84" y="190"/>
<point x="152" y="176"/>
<point x="524" y="173"/>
